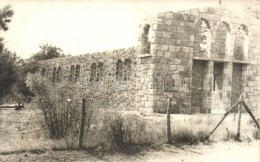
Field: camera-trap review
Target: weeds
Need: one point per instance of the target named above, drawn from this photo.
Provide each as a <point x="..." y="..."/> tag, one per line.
<point x="255" y="131"/>
<point x="117" y="132"/>
<point x="187" y="136"/>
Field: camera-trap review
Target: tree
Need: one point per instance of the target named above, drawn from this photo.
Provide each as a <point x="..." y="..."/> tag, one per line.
<point x="47" y="52"/>
<point x="7" y="58"/>
<point x="6" y="14"/>
<point x="5" y="17"/>
<point x="7" y="70"/>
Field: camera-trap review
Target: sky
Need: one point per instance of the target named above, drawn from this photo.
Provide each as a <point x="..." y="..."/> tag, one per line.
<point x="85" y="26"/>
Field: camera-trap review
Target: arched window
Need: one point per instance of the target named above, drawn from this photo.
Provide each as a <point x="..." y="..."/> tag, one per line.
<point x="127" y="69"/>
<point x="241" y="43"/>
<point x="222" y="40"/>
<point x="100" y="71"/>
<point x="93" y="72"/>
<point x="77" y="74"/>
<point x="59" y="74"/>
<point x="202" y="39"/>
<point x="43" y="72"/>
<point x="146" y="41"/>
<point x="72" y="68"/>
<point x="54" y="75"/>
<point x="119" y="70"/>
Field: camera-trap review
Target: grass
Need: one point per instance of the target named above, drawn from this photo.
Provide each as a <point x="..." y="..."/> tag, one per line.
<point x="138" y="130"/>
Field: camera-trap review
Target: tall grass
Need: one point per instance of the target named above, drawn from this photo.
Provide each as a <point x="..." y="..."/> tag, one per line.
<point x="116" y="129"/>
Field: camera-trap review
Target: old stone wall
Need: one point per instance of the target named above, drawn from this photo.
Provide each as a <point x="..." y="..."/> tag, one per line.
<point x="201" y="58"/>
<point x="120" y="66"/>
<point x="211" y="35"/>
<point x="172" y="37"/>
<point x="233" y="42"/>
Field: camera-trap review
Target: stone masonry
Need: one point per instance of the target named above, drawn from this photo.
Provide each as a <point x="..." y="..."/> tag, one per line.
<point x="201" y="58"/>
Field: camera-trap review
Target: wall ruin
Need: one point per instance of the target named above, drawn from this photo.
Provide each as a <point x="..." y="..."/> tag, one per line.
<point x="201" y="58"/>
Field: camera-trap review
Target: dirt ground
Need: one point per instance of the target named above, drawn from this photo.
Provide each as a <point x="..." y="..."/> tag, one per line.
<point x="214" y="152"/>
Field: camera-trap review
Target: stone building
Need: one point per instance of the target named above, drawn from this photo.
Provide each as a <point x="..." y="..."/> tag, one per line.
<point x="201" y="58"/>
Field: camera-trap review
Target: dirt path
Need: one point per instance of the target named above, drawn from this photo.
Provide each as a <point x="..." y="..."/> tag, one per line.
<point x="222" y="151"/>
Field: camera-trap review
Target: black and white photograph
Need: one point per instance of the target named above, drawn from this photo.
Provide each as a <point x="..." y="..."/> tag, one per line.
<point x="130" y="80"/>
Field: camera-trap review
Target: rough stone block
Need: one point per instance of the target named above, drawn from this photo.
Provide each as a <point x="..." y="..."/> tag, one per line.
<point x="167" y="54"/>
<point x="171" y="48"/>
<point x="173" y="67"/>
<point x="169" y="41"/>
<point x="159" y="104"/>
<point x="181" y="29"/>
<point x="169" y="15"/>
<point x="167" y="34"/>
<point x="162" y="15"/>
<point x="175" y="22"/>
<point x="214" y="17"/>
<point x="205" y="9"/>
<point x="206" y="16"/>
<point x="165" y="47"/>
<point x="162" y="27"/>
<point x="195" y="12"/>
<point x="172" y="28"/>
<point x="167" y="21"/>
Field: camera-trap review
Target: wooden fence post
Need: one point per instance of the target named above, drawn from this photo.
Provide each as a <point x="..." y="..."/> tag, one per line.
<point x="251" y="114"/>
<point x="168" y="132"/>
<point x="239" y="118"/>
<point x="82" y="125"/>
<point x="225" y="115"/>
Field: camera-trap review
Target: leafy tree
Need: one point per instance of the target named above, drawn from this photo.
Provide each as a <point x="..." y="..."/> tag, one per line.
<point x="7" y="58"/>
<point x="6" y="14"/>
<point x="5" y="17"/>
<point x="47" y="52"/>
<point x="7" y="70"/>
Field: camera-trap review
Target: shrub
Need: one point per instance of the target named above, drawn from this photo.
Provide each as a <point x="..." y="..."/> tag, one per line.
<point x="58" y="104"/>
<point x="186" y="135"/>
<point x="117" y="132"/>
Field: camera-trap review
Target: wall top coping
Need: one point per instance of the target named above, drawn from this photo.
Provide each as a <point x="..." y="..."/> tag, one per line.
<point x="120" y="50"/>
<point x="205" y="12"/>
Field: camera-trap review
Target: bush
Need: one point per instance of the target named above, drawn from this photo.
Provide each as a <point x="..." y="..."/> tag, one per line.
<point x="187" y="136"/>
<point x="117" y="132"/>
<point x="59" y="106"/>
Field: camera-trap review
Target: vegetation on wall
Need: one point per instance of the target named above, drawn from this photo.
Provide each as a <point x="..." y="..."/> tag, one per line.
<point x="47" y="51"/>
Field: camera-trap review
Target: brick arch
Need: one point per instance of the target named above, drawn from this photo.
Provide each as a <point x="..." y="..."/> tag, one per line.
<point x="202" y="38"/>
<point x="222" y="40"/>
<point x="100" y="71"/>
<point x="119" y="69"/>
<point x="241" y="43"/>
<point x="59" y="74"/>
<point x="243" y="27"/>
<point x="146" y="41"/>
<point x="93" y="72"/>
<point x="199" y="22"/>
<point x="43" y="72"/>
<point x="226" y="25"/>
<point x="54" y="75"/>
<point x="127" y="69"/>
<point x="77" y="73"/>
<point x="72" y="73"/>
